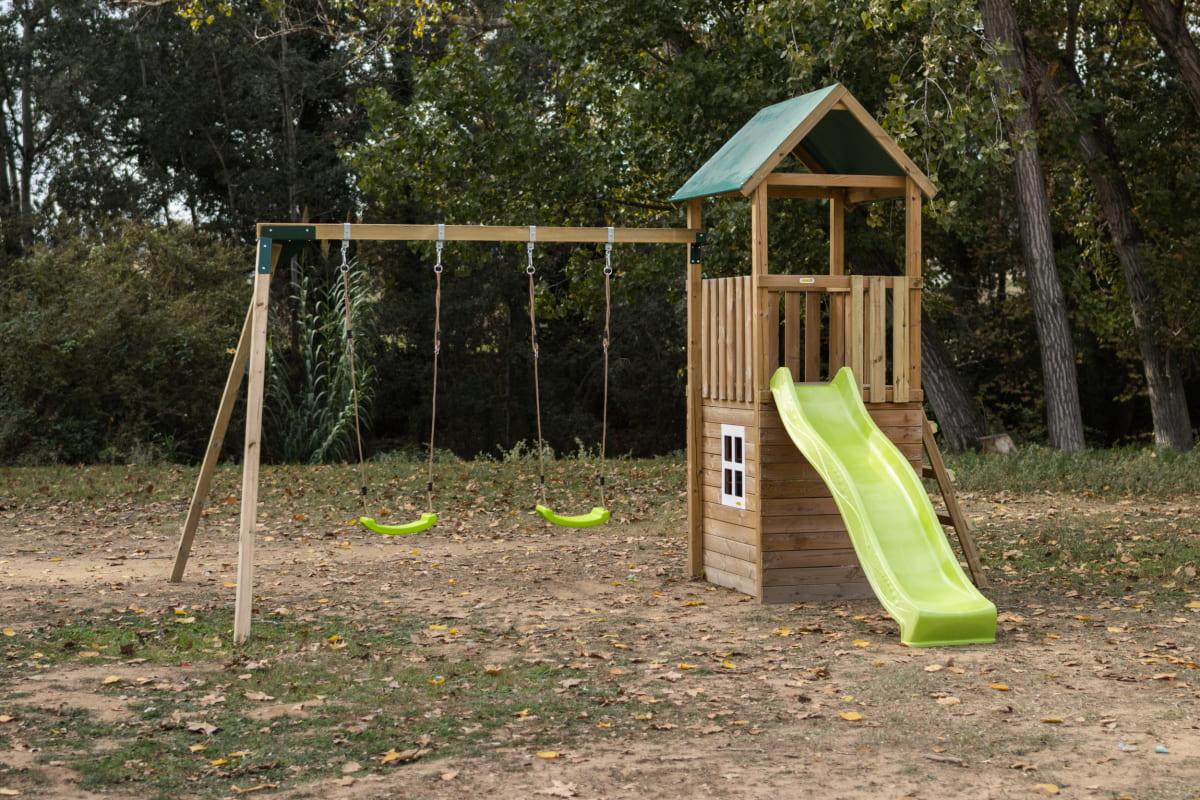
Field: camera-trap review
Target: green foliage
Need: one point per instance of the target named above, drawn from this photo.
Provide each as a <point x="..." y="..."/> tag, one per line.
<point x="311" y="413"/>
<point x="113" y="344"/>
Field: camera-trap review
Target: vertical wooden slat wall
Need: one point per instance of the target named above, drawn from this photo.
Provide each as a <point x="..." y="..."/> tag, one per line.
<point x="748" y="334"/>
<point x="876" y="340"/>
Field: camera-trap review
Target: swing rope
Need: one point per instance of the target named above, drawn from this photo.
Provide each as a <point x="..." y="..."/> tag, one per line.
<point x="607" y="334"/>
<point x="599" y="514"/>
<point x="437" y="349"/>
<point x="530" y="271"/>
<point x="344" y="269"/>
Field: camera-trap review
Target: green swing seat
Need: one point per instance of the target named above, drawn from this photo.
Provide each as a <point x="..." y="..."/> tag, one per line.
<point x="597" y="516"/>
<point x="427" y="521"/>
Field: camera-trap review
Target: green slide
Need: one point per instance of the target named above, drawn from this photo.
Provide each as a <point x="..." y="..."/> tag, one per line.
<point x="891" y="522"/>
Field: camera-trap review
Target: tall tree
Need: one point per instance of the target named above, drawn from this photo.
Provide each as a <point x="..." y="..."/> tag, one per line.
<point x="1168" y="22"/>
<point x="1064" y="418"/>
<point x="1098" y="153"/>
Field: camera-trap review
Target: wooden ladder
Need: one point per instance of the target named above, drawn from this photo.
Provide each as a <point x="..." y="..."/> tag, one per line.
<point x="954" y="516"/>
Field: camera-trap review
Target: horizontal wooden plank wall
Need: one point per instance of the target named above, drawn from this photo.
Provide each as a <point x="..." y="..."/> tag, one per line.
<point x="807" y="554"/>
<point x="730" y="538"/>
<point x="726" y="340"/>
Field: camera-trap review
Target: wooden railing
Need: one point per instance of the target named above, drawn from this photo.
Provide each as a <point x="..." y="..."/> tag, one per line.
<point x="823" y="322"/>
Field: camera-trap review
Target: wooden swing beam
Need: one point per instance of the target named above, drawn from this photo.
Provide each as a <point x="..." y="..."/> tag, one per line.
<point x="251" y="354"/>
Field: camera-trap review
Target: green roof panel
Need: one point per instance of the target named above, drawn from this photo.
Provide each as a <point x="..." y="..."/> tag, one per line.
<point x="840" y="144"/>
<point x="750" y="147"/>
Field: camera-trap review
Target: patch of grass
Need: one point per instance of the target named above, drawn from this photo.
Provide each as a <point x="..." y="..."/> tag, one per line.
<point x="1141" y="471"/>
<point x="1112" y="553"/>
<point x="175" y="638"/>
<point x="303" y="699"/>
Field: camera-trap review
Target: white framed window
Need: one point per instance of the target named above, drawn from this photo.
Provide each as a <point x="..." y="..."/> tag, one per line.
<point x="733" y="466"/>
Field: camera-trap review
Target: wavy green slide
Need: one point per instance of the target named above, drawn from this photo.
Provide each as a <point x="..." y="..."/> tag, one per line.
<point x="891" y="522"/>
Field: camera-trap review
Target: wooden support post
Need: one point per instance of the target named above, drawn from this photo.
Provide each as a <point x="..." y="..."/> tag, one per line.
<point x="912" y="269"/>
<point x="837" y="266"/>
<point x="765" y="324"/>
<point x="695" y="426"/>
<point x="253" y="450"/>
<point x="233" y="382"/>
<point x="957" y="518"/>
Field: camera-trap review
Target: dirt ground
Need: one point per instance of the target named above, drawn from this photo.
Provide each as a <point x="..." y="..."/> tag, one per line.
<point x="734" y="699"/>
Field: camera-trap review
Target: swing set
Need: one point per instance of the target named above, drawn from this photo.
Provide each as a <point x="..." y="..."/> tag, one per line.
<point x="281" y="241"/>
<point x="599" y="514"/>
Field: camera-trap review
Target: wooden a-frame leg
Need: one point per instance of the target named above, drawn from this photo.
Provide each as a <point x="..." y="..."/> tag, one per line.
<point x="211" y="455"/>
<point x="250" y="460"/>
<point x="956" y="516"/>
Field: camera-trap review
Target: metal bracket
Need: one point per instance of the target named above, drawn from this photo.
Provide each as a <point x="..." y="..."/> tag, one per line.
<point x="697" y="247"/>
<point x="290" y="232"/>
<point x="264" y="255"/>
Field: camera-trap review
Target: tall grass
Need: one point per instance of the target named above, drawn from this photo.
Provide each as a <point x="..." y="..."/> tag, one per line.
<point x="1118" y="471"/>
<point x="311" y="415"/>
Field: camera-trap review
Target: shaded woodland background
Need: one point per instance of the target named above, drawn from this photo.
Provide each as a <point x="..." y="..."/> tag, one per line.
<point x="141" y="141"/>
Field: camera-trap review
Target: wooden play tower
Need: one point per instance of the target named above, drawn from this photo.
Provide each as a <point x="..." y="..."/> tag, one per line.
<point x="761" y="520"/>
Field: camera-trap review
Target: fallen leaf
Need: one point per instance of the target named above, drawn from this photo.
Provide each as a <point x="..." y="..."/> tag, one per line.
<point x="449" y="776"/>
<point x="10" y="632"/>
<point x="111" y="679"/>
<point x="934" y="668"/>
<point x="394" y="756"/>
<point x="999" y="687"/>
<point x="850" y="716"/>
<point x="861" y="643"/>
<point x="206" y="728"/>
<point x="218" y="762"/>
<point x="948" y="701"/>
<point x="258" y="787"/>
<point x="558" y="789"/>
<point x="1045" y="788"/>
<point x="196" y="748"/>
<point x="683" y="665"/>
<point x="941" y="759"/>
<point x="547" y="754"/>
<point x="6" y="718"/>
<point x="260" y="697"/>
<point x="437" y="680"/>
<point x="1052" y="720"/>
<point x="351" y="766"/>
<point x="4" y="792"/>
<point x="727" y="664"/>
<point x="492" y="669"/>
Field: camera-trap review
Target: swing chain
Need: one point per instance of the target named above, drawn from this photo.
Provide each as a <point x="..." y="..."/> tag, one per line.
<point x="533" y="343"/>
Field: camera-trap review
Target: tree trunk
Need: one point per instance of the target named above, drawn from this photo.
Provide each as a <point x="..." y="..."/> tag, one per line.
<point x="28" y="141"/>
<point x="1064" y="419"/>
<point x="1168" y="22"/>
<point x="1164" y="381"/>
<point x="957" y="413"/>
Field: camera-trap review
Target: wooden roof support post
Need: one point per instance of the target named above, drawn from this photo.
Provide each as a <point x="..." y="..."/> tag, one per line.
<point x="695" y="426"/>
<point x="253" y="450"/>
<point x="760" y="374"/>
<point x="912" y="269"/>
<point x="837" y="266"/>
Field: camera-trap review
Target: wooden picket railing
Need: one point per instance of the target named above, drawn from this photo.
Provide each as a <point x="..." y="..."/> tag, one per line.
<point x="824" y="322"/>
<point x="727" y="312"/>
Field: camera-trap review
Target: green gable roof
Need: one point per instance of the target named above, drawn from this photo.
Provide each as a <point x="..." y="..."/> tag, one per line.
<point x="836" y="139"/>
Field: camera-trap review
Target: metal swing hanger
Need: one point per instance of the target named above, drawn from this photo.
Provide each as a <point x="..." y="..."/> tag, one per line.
<point x="599" y="514"/>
